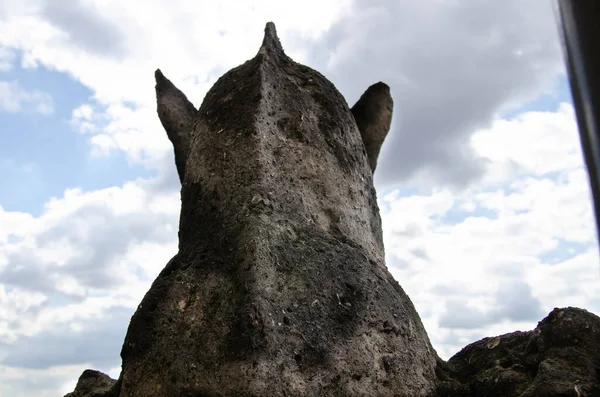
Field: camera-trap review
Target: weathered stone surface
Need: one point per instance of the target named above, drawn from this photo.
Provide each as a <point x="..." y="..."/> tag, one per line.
<point x="561" y="357"/>
<point x="95" y="384"/>
<point x="280" y="288"/>
<point x="177" y="115"/>
<point x="373" y="115"/>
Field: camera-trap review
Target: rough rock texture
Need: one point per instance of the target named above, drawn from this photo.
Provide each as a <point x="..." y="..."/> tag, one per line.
<point x="95" y="384"/>
<point x="561" y="357"/>
<point x="279" y="287"/>
<point x="177" y="115"/>
<point x="373" y="115"/>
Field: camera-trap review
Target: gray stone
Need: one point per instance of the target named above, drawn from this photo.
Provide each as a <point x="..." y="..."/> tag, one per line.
<point x="560" y="357"/>
<point x="280" y="288"/>
<point x="177" y="116"/>
<point x="373" y="115"/>
<point x="95" y="384"/>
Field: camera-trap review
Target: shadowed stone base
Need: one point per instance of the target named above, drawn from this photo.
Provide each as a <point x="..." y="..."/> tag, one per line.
<point x="561" y="357"/>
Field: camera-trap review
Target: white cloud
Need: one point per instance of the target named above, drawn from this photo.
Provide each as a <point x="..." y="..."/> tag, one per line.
<point x="23" y="382"/>
<point x="84" y="118"/>
<point x="136" y="132"/>
<point x="14" y="98"/>
<point x="71" y="278"/>
<point x="113" y="48"/>
<point x="452" y="67"/>
<point x="14" y="223"/>
<point x="104" y="246"/>
<point x="116" y="55"/>
<point x="485" y="255"/>
<point x="7" y="58"/>
<point x="534" y="142"/>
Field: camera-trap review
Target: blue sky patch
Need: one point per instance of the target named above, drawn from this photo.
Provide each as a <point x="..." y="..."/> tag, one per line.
<point x="456" y="215"/>
<point x="564" y="251"/>
<point x="545" y="102"/>
<point x="42" y="154"/>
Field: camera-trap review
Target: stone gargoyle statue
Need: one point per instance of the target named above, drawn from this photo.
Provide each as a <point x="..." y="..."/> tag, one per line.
<point x="280" y="287"/>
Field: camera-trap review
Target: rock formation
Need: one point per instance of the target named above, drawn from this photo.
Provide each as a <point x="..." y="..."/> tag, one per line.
<point x="560" y="357"/>
<point x="94" y="384"/>
<point x="279" y="287"/>
<point x="373" y="115"/>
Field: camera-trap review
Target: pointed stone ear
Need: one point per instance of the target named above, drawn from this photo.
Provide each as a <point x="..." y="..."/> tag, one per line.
<point x="373" y="115"/>
<point x="177" y="115"/>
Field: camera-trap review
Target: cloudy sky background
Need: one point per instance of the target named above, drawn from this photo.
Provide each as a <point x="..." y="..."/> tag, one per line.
<point x="482" y="189"/>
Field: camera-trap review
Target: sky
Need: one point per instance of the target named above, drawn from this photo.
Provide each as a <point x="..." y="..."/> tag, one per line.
<point x="484" y="198"/>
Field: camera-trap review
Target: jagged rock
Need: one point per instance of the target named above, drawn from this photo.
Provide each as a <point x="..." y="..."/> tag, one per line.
<point x="560" y="357"/>
<point x="279" y="287"/>
<point x="95" y="384"/>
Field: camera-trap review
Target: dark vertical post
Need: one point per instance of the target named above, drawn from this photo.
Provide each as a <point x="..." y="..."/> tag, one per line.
<point x="579" y="29"/>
